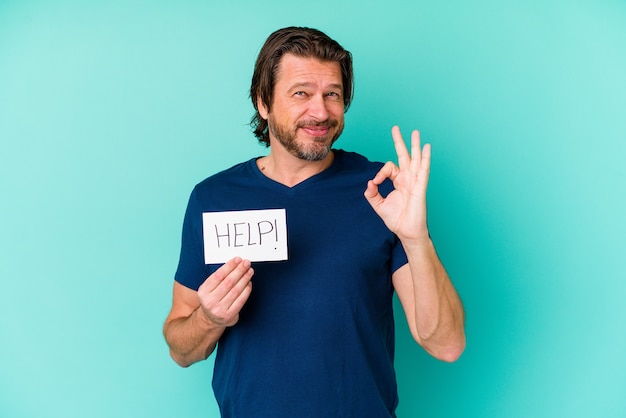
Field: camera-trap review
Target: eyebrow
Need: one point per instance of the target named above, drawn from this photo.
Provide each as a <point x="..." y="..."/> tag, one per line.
<point x="309" y="84"/>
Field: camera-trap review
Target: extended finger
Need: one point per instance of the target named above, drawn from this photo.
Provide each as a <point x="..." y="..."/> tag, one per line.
<point x="426" y="152"/>
<point x="404" y="159"/>
<point x="416" y="151"/>
<point x="425" y="165"/>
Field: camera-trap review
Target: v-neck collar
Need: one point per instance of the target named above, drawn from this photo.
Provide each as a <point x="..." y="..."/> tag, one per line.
<point x="276" y="185"/>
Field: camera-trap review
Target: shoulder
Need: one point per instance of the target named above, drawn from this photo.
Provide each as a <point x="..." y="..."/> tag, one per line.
<point x="237" y="170"/>
<point x="225" y="179"/>
<point x="348" y="160"/>
<point x="359" y="168"/>
<point x="224" y="184"/>
<point x="229" y="189"/>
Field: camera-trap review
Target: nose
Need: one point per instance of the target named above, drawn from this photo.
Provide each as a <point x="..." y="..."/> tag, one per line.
<point x="318" y="108"/>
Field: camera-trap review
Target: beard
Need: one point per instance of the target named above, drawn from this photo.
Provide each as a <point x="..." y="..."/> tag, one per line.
<point x="316" y="151"/>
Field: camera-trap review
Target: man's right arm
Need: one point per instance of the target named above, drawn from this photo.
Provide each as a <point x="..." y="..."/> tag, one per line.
<point x="197" y="320"/>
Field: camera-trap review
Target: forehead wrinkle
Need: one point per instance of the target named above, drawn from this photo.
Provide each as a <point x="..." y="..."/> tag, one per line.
<point x="301" y="71"/>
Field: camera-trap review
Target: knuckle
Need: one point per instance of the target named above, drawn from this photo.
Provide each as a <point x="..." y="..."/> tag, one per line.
<point x="229" y="282"/>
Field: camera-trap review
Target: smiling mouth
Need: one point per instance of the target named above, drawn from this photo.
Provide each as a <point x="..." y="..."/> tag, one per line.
<point x="316" y="131"/>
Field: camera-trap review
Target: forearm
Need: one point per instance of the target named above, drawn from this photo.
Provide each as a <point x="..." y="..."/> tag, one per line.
<point x="191" y="339"/>
<point x="438" y="311"/>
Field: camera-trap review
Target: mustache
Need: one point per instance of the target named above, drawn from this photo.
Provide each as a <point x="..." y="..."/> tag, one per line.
<point x="329" y="123"/>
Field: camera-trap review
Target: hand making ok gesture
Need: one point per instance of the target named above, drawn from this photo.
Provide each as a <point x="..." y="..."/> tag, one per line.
<point x="404" y="209"/>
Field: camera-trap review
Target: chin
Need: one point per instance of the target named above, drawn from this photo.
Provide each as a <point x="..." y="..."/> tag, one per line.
<point x="314" y="153"/>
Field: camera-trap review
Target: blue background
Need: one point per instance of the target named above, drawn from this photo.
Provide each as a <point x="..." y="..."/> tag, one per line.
<point x="111" y="111"/>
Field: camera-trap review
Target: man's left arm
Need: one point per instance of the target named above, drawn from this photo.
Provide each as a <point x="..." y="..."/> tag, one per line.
<point x="433" y="308"/>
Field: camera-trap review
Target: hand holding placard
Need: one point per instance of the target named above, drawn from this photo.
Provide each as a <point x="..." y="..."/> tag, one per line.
<point x="225" y="292"/>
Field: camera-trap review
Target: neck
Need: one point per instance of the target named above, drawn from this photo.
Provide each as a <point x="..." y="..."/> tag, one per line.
<point x="289" y="170"/>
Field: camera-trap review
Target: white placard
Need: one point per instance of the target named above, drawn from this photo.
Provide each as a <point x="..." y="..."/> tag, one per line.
<point x="256" y="235"/>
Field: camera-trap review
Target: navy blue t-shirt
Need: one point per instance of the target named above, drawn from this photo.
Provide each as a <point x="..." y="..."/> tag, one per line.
<point x="316" y="337"/>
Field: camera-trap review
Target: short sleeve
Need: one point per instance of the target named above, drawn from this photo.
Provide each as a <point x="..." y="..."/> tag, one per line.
<point x="398" y="256"/>
<point x="192" y="271"/>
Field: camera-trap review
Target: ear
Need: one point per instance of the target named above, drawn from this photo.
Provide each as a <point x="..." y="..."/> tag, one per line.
<point x="263" y="111"/>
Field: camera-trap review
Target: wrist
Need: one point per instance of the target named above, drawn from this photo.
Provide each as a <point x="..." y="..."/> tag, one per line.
<point x="204" y="321"/>
<point x="420" y="242"/>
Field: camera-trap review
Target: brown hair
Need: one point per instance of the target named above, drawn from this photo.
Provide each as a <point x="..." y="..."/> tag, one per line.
<point x="302" y="42"/>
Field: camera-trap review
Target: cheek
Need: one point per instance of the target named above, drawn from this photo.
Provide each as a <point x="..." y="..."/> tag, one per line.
<point x="291" y="111"/>
<point x="339" y="118"/>
<point x="337" y="111"/>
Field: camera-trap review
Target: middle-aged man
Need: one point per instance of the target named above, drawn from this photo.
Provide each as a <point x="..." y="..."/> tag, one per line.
<point x="313" y="335"/>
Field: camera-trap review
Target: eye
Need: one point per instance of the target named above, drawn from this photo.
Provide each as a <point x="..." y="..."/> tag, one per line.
<point x="299" y="94"/>
<point x="333" y="95"/>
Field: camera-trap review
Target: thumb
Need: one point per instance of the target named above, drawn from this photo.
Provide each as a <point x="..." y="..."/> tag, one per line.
<point x="372" y="195"/>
